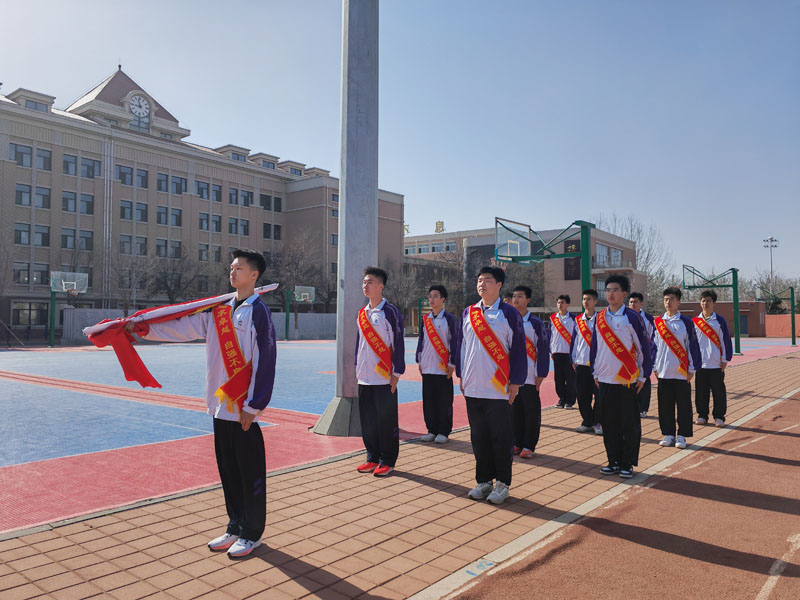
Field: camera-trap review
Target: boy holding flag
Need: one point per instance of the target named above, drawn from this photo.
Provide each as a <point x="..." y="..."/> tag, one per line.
<point x="716" y="351"/>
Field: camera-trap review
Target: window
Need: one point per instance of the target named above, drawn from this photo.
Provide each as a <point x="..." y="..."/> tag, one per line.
<point x="449" y="246"/>
<point x="216" y="223"/>
<point x="85" y="240"/>
<point x="295" y="171"/>
<point x="43" y="160"/>
<point x="21" y="272"/>
<point x="20" y="154"/>
<point x="90" y="168"/>
<point x="616" y="257"/>
<point x="23" y="195"/>
<point x="22" y="234"/>
<point x="335" y="213"/>
<point x="423" y="249"/>
<point x="125" y="210"/>
<point x="141" y="178"/>
<point x="233" y="225"/>
<point x="175" y="249"/>
<point x="70" y="165"/>
<point x="268" y="164"/>
<point x="40" y="274"/>
<point x="125" y="244"/>
<point x="140" y="124"/>
<point x="334" y="197"/>
<point x="437" y="247"/>
<point x="267" y="231"/>
<point x="166" y="136"/>
<point x="161" y="215"/>
<point x="409" y="250"/>
<point x="244" y="227"/>
<point x="68" y="200"/>
<point x="201" y="189"/>
<point x="112" y="122"/>
<point x="29" y="313"/>
<point x="247" y="197"/>
<point x="42" y="199"/>
<point x="87" y="270"/>
<point x="202" y="252"/>
<point x="233" y="196"/>
<point x="67" y="238"/>
<point x="266" y="201"/>
<point x="267" y="257"/>
<point x="141" y="212"/>
<point x="601" y="254"/>
<point x="161" y="182"/>
<point x="161" y="248"/>
<point x="203" y="221"/>
<point x="216" y="253"/>
<point x="601" y="287"/>
<point x="334" y="239"/>
<point x="33" y="105"/>
<point x="123" y="174"/>
<point x="141" y="245"/>
<point x="334" y="269"/>
<point x="216" y="193"/>
<point x="177" y="217"/>
<point x="202" y="283"/>
<point x="87" y="204"/>
<point x="276" y="232"/>
<point x="238" y="156"/>
<point x="277" y="204"/>
<point x="41" y="236"/>
<point x="178" y="185"/>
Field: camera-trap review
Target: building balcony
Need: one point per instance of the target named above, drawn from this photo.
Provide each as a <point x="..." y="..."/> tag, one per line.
<point x="604" y="266"/>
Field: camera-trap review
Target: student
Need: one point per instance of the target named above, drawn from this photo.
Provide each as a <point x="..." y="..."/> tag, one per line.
<point x="436" y="351"/>
<point x="620" y="367"/>
<point x="507" y="297"/>
<point x="528" y="405"/>
<point x="239" y="332"/>
<point x="562" y="329"/>
<point x="380" y="360"/>
<point x="636" y="304"/>
<point x="712" y="335"/>
<point x="579" y="353"/>
<point x="677" y="354"/>
<point x="492" y="366"/>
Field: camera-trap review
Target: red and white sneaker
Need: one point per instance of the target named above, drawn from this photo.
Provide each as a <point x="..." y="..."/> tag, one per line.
<point x="383" y="470"/>
<point x="517" y="449"/>
<point x="367" y="467"/>
<point x="223" y="542"/>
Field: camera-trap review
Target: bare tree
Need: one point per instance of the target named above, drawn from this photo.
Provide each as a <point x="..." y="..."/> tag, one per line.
<point x="405" y="286"/>
<point x="751" y="288"/>
<point x="131" y="274"/>
<point x="175" y="276"/>
<point x="297" y="264"/>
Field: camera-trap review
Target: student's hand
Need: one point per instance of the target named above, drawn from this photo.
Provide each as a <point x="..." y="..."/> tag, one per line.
<point x="689" y="376"/>
<point x="538" y="381"/>
<point x="246" y="419"/>
<point x="639" y="386"/>
<point x="420" y="369"/>
<point x="722" y="366"/>
<point x="513" y="390"/>
<point x="393" y="383"/>
<point x="129" y="326"/>
<point x="597" y="382"/>
<point x="655" y="373"/>
<point x="450" y="371"/>
<point x="574" y="367"/>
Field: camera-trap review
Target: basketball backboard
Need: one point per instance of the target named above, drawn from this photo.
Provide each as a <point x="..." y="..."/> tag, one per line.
<point x="65" y="282"/>
<point x="512" y="239"/>
<point x="304" y="293"/>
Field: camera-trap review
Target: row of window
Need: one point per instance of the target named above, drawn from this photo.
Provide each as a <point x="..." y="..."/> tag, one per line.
<point x="41" y="199"/>
<point x="431" y="248"/>
<point x="272" y="232"/>
<point x="39" y="273"/>
<point x="22" y="155"/>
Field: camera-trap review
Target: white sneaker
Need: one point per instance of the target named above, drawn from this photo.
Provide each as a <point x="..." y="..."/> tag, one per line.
<point x="500" y="493"/>
<point x="719" y="422"/>
<point x="480" y="491"/>
<point x="440" y="439"/>
<point x="583" y="429"/>
<point x="428" y="437"/>
<point x="680" y="442"/>
<point x="223" y="542"/>
<point x="667" y="441"/>
<point x="598" y="429"/>
<point x="643" y="414"/>
<point x="243" y="547"/>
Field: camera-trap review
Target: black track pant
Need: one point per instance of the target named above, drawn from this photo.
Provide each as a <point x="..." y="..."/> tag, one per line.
<point x="243" y="471"/>
<point x="437" y="403"/>
<point x="644" y="396"/>
<point x="377" y="407"/>
<point x="675" y="394"/>
<point x="584" y="383"/>
<point x="706" y="383"/>
<point x="527" y="409"/>
<point x="564" y="376"/>
<point x="622" y="427"/>
<point x="492" y="436"/>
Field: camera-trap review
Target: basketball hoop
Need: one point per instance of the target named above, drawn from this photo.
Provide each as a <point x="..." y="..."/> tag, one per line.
<point x="72" y="294"/>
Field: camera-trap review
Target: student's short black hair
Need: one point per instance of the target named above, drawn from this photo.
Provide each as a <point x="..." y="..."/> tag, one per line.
<point x="525" y="290"/>
<point x="508" y="294"/>
<point x="255" y="259"/>
<point x="673" y="291"/>
<point x="377" y="272"/>
<point x="621" y="280"/>
<point x="498" y="274"/>
<point x="637" y="295"/>
<point x="590" y="292"/>
<point x="564" y="297"/>
<point x="709" y="294"/>
<point x="439" y="288"/>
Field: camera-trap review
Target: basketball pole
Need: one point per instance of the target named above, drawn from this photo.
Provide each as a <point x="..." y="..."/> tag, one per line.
<point x="52" y="336"/>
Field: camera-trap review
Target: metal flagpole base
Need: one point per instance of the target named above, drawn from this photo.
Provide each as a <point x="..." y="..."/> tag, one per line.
<point x="341" y="418"/>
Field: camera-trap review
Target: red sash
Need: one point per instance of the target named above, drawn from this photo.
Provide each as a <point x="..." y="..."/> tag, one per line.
<point x="673" y="344"/>
<point x="376" y="343"/>
<point x="530" y="349"/>
<point x="560" y="328"/>
<point x="707" y="329"/>
<point x="586" y="333"/>
<point x="492" y="345"/>
<point x="233" y="391"/>
<point x="628" y="372"/>
<point x="437" y="343"/>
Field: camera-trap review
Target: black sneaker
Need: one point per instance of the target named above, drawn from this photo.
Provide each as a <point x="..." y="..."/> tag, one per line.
<point x="560" y="404"/>
<point x="626" y="473"/>
<point x="610" y="469"/>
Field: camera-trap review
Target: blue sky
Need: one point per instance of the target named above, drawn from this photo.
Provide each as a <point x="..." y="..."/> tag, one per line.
<point x="682" y="112"/>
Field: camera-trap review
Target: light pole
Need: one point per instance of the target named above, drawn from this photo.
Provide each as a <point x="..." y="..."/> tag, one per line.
<point x="770" y="243"/>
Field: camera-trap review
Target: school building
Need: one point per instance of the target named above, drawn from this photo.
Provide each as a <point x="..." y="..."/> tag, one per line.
<point x="111" y="187"/>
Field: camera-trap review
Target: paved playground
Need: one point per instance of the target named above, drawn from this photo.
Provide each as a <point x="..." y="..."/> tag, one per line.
<point x="93" y="454"/>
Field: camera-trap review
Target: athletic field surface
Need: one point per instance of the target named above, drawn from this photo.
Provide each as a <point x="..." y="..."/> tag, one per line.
<point x="110" y="490"/>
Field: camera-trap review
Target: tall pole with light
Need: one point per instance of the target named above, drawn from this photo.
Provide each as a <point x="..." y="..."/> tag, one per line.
<point x="770" y="243"/>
